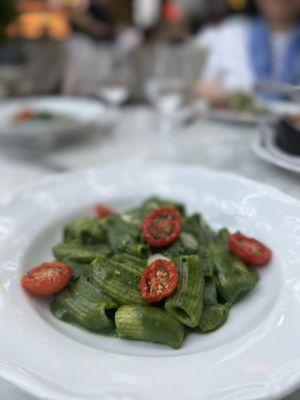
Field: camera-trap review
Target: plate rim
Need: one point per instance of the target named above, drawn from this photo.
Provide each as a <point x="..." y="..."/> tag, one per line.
<point x="56" y="178"/>
<point x="264" y="154"/>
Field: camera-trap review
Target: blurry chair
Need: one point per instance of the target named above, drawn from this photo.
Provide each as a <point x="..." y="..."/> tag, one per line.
<point x="89" y="62"/>
<point x="86" y="62"/>
<point x="39" y="70"/>
<point x="45" y="64"/>
<point x="10" y="77"/>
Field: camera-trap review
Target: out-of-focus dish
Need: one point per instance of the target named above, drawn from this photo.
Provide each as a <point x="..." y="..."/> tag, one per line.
<point x="31" y="114"/>
<point x="44" y="122"/>
<point x="247" y="109"/>
<point x="239" y="107"/>
<point x="152" y="273"/>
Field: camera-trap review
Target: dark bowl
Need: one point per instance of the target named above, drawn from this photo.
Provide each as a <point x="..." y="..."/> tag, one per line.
<point x="288" y="135"/>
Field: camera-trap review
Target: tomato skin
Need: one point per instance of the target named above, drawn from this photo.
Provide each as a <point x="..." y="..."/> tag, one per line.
<point x="103" y="211"/>
<point x="47" y="278"/>
<point x="249" y="250"/>
<point x="24" y="115"/>
<point x="162" y="227"/>
<point x="158" y="281"/>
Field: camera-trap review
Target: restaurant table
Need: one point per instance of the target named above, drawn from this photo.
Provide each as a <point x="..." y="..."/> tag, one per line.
<point x="137" y="138"/>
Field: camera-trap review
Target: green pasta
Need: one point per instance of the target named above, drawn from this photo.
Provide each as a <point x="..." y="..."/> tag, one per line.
<point x="233" y="278"/>
<point x="85" y="230"/>
<point x="124" y="237"/>
<point x="155" y="202"/>
<point x="213" y="318"/>
<point x="79" y="269"/>
<point x="118" y="280"/>
<point x="186" y="303"/>
<point x="150" y="324"/>
<point x="137" y="215"/>
<point x="133" y="262"/>
<point x="214" y="315"/>
<point x="77" y="252"/>
<point x="206" y="262"/>
<point x="196" y="226"/>
<point x="210" y="292"/>
<point x="177" y="249"/>
<point x="221" y="238"/>
<point x="86" y="306"/>
<point x="109" y="256"/>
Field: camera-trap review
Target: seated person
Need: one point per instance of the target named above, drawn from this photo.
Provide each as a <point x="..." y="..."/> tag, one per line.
<point x="248" y="51"/>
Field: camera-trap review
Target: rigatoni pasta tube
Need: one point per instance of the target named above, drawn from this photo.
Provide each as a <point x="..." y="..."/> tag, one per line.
<point x="84" y="305"/>
<point x="186" y="303"/>
<point x="119" y="281"/>
<point x="77" y="252"/>
<point x="147" y="323"/>
<point x="212" y="318"/>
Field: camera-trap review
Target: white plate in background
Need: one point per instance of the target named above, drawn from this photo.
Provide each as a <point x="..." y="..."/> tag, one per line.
<point x="83" y="116"/>
<point x="256" y="355"/>
<point x="275" y="109"/>
<point x="235" y="117"/>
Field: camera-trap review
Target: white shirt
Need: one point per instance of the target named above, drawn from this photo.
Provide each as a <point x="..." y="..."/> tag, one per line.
<point x="279" y="45"/>
<point x="229" y="62"/>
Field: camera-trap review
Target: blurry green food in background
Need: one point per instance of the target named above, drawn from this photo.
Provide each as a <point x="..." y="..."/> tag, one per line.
<point x="7" y="14"/>
<point x="240" y="101"/>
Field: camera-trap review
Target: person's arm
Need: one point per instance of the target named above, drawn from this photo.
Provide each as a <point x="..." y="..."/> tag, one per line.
<point x="211" y="91"/>
<point x="227" y="68"/>
<point x="210" y="85"/>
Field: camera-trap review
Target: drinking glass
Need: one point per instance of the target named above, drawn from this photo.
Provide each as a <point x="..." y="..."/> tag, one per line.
<point x="168" y="90"/>
<point x="113" y="86"/>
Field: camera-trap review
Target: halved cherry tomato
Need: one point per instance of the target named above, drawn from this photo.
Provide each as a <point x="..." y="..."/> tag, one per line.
<point x="24" y="115"/>
<point x="103" y="211"/>
<point x="162" y="226"/>
<point x="250" y="250"/>
<point x="158" y="281"/>
<point x="48" y="278"/>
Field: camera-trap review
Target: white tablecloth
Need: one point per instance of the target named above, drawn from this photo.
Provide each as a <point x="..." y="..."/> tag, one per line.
<point x="137" y="139"/>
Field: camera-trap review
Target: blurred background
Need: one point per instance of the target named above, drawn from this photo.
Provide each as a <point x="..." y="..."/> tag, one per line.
<point x="67" y="46"/>
<point x="144" y="72"/>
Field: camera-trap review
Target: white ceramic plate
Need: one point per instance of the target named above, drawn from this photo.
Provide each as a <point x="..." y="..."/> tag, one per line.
<point x="234" y="117"/>
<point x="264" y="147"/>
<point x="241" y="117"/>
<point x="82" y="117"/>
<point x="274" y="108"/>
<point x="256" y="355"/>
